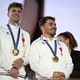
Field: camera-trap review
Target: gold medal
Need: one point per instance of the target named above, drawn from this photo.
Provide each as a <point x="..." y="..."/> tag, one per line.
<point x="15" y="52"/>
<point x="55" y="59"/>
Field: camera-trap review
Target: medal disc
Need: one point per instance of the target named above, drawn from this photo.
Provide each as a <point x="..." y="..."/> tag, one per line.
<point x="55" y="59"/>
<point x="15" y="52"/>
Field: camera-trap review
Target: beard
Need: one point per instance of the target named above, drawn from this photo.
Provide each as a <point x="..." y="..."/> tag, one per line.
<point x="50" y="32"/>
<point x="52" y="35"/>
<point x="53" y="32"/>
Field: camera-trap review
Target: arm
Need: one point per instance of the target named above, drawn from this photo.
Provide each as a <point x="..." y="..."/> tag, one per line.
<point x="27" y="51"/>
<point x="35" y="60"/>
<point x="68" y="60"/>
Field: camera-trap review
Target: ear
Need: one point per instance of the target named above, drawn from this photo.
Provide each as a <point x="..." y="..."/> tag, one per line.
<point x="42" y="28"/>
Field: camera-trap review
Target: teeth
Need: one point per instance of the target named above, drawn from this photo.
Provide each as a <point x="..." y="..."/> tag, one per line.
<point x="16" y="16"/>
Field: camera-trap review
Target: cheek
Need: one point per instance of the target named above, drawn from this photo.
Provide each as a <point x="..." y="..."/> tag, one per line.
<point x="9" y="14"/>
<point x="63" y="41"/>
<point x="67" y="43"/>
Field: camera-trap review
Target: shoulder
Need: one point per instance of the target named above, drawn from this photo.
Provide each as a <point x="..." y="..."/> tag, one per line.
<point x="75" y="52"/>
<point x="37" y="41"/>
<point x="61" y="44"/>
<point x="25" y="33"/>
<point x="3" y="28"/>
<point x="64" y="47"/>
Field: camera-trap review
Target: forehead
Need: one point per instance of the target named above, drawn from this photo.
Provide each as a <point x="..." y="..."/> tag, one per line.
<point x="61" y="38"/>
<point x="50" y="21"/>
<point x="15" y="8"/>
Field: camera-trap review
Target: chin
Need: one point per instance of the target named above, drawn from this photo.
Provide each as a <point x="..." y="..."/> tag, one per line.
<point x="54" y="33"/>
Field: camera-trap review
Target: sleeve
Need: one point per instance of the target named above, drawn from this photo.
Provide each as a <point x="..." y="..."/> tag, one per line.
<point x="4" y="66"/>
<point x="25" y="57"/>
<point x="68" y="60"/>
<point x="2" y="61"/>
<point x="34" y="59"/>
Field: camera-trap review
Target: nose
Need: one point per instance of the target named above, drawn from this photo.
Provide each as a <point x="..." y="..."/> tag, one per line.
<point x="17" y="12"/>
<point x="54" y="25"/>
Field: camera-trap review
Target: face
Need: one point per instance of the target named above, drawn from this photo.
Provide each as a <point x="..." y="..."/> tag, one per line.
<point x="62" y="39"/>
<point x="50" y="28"/>
<point x="15" y="14"/>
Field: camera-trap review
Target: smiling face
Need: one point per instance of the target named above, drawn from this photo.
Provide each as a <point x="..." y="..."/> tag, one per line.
<point x="14" y="14"/>
<point x="49" y="28"/>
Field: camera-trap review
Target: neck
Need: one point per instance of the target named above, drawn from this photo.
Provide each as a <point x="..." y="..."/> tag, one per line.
<point x="14" y="23"/>
<point x="48" y="36"/>
<point x="69" y="49"/>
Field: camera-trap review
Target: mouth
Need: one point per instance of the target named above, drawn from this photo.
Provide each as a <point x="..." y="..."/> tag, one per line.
<point x="16" y="17"/>
<point x="54" y="29"/>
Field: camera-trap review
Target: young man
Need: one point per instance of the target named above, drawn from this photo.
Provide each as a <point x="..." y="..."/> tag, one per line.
<point x="50" y="58"/>
<point x="14" y="46"/>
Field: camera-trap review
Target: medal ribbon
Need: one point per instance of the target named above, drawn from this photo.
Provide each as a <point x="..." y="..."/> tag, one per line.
<point x="18" y="36"/>
<point x="55" y="47"/>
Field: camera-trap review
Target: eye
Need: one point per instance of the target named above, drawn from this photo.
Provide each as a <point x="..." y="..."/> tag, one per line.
<point x="50" y="24"/>
<point x="13" y="10"/>
<point x="19" y="11"/>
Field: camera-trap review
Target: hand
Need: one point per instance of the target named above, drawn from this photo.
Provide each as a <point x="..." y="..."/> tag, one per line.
<point x="17" y="63"/>
<point x="14" y="72"/>
<point x="58" y="76"/>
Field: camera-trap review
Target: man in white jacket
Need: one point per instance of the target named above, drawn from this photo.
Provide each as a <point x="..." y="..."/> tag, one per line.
<point x="14" y="46"/>
<point x="50" y="58"/>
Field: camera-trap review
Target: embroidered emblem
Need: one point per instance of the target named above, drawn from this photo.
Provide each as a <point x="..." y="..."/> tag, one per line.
<point x="23" y="40"/>
<point x="60" y="50"/>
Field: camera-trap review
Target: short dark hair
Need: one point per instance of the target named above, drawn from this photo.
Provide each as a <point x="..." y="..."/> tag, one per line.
<point x="15" y="4"/>
<point x="43" y="20"/>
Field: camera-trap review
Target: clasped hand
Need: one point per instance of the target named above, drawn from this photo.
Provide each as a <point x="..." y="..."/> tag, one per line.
<point x="17" y="63"/>
<point x="58" y="76"/>
<point x="14" y="72"/>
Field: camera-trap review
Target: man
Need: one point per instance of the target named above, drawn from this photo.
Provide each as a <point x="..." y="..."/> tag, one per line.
<point x="50" y="58"/>
<point x="14" y="46"/>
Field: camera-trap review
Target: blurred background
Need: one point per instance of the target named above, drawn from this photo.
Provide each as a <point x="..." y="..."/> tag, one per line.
<point x="66" y="12"/>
